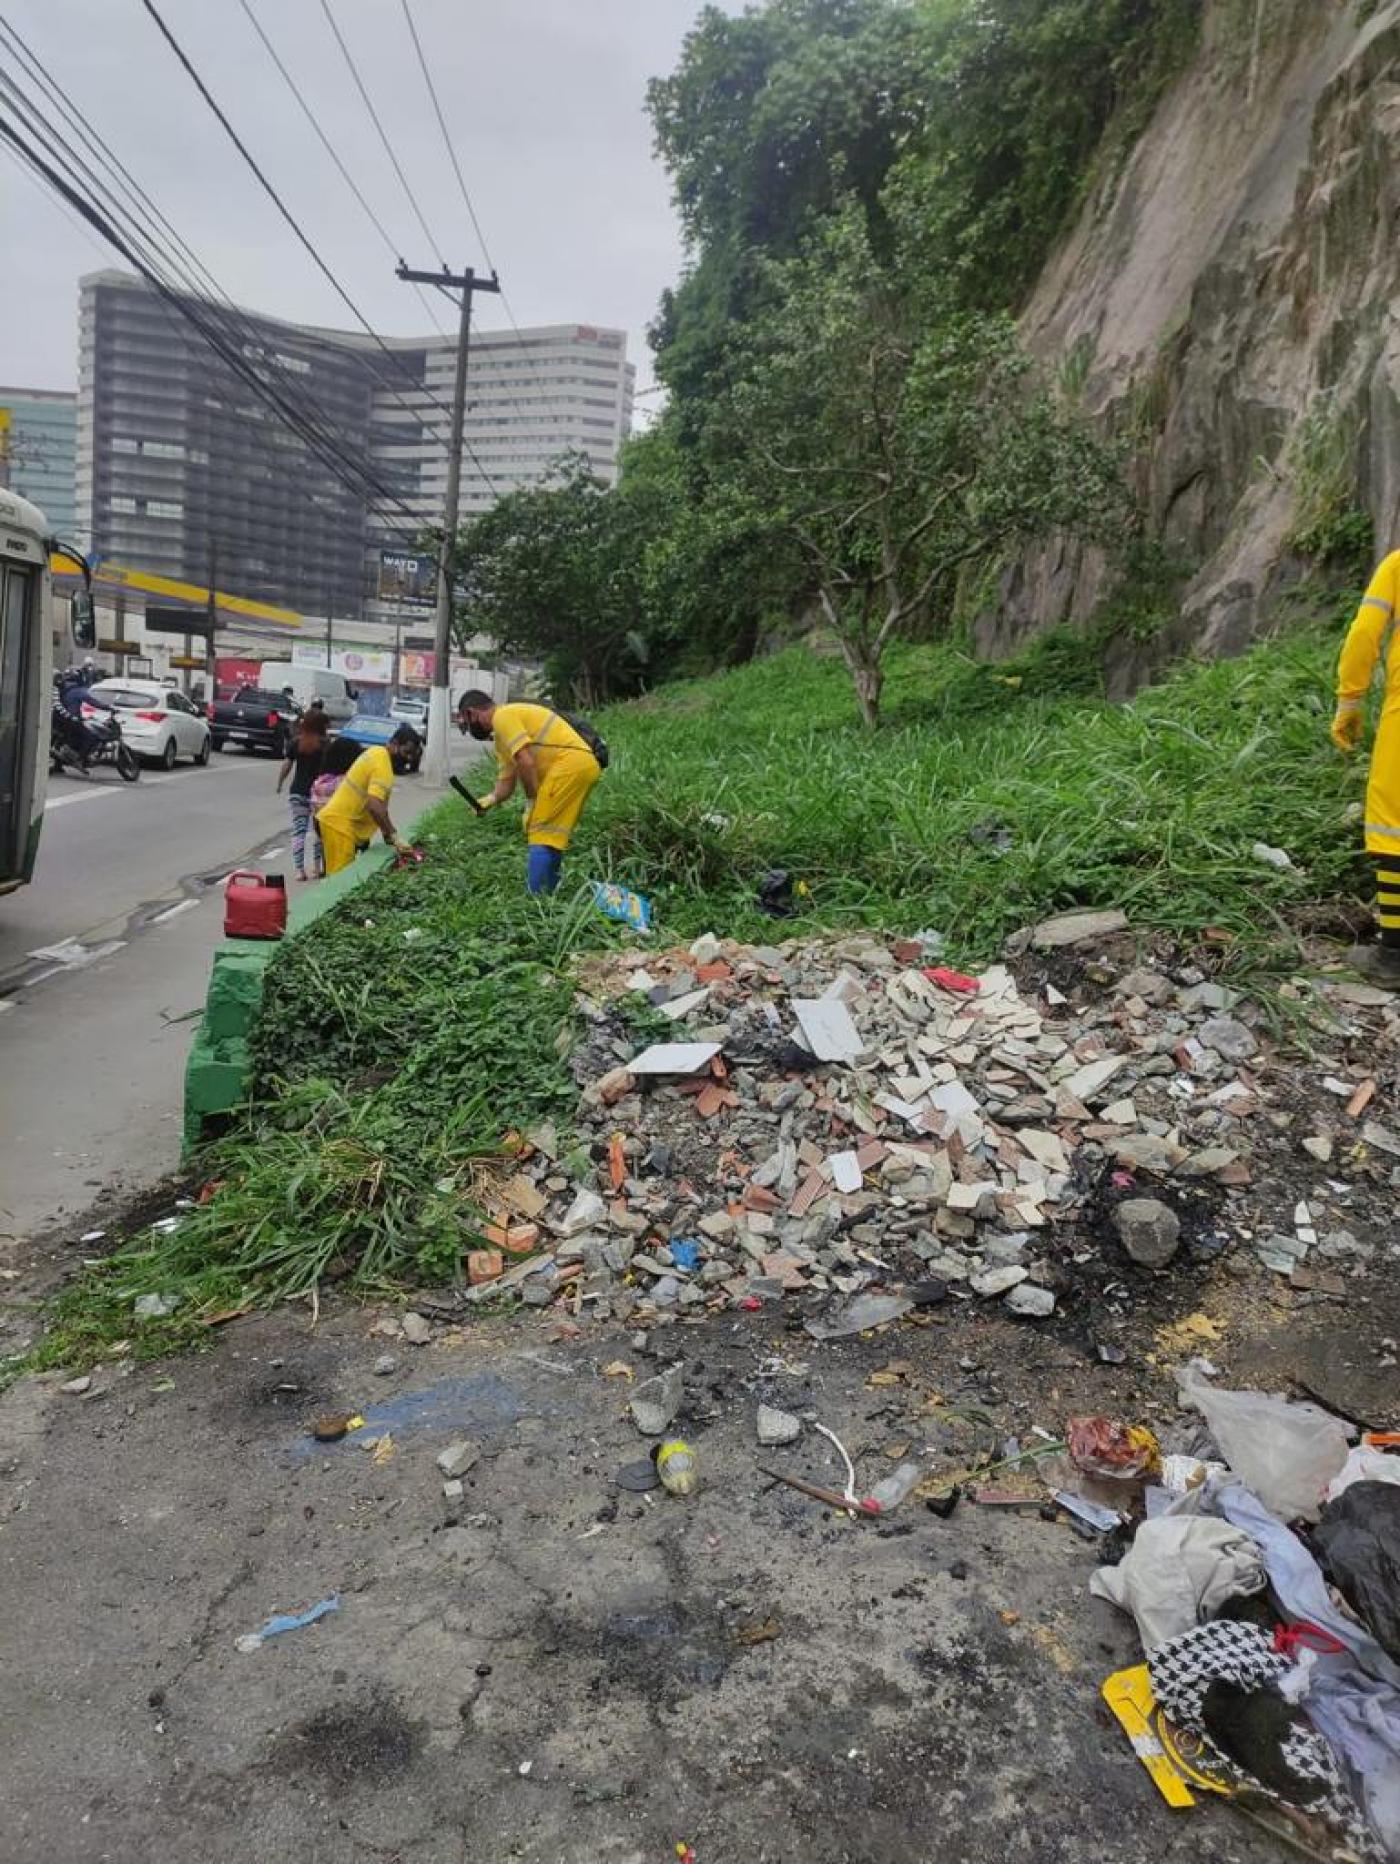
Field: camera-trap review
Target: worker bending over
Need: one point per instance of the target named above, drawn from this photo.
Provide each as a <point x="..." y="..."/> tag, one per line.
<point x="360" y="804"/>
<point x="554" y="766"/>
<point x="1370" y="639"/>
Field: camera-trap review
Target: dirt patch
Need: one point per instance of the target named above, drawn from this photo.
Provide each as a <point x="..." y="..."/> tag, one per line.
<point x="364" y="1743"/>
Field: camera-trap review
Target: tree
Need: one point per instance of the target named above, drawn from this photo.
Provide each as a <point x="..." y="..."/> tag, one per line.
<point x="897" y="438"/>
<point x="554" y="572"/>
<point x="769" y="119"/>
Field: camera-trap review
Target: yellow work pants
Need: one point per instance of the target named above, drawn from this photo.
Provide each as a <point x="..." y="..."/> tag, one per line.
<point x="559" y="801"/>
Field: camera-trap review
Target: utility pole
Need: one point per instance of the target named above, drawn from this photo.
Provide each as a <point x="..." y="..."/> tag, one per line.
<point x="213" y="620"/>
<point x="435" y="761"/>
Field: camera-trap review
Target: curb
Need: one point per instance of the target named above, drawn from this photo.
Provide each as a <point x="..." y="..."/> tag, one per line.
<point x="216" y="1073"/>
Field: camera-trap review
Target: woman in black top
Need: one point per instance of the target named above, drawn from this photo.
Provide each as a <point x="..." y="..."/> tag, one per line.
<point x="304" y="763"/>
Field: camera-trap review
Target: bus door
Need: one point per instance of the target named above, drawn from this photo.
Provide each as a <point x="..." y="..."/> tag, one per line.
<point x="18" y="726"/>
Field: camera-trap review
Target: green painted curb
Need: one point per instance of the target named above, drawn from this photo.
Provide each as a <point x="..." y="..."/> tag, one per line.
<point x="216" y="1074"/>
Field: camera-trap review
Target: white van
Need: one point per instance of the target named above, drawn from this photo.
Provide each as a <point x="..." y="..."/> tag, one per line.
<point x="308" y="683"/>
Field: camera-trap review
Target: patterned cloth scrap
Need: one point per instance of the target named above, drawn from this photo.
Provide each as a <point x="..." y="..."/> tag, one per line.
<point x="1221" y="1681"/>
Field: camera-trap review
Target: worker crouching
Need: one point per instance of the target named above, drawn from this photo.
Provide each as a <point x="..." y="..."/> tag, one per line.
<point x="360" y="805"/>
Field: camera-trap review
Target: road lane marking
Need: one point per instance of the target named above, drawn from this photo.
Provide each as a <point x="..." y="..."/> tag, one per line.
<point x="180" y="906"/>
<point x="107" y="789"/>
<point x="71" y="953"/>
<point x="97" y="791"/>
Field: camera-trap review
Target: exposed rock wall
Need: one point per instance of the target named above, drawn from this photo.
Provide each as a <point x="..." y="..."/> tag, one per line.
<point x="1234" y="277"/>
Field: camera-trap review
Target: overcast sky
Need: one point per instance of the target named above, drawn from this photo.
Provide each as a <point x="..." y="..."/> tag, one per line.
<point x="544" y="99"/>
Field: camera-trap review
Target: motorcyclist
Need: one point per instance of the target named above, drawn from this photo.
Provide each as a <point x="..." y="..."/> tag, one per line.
<point x="73" y="693"/>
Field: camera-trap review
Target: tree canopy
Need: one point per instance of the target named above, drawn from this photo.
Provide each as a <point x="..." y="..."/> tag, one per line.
<point x="868" y="189"/>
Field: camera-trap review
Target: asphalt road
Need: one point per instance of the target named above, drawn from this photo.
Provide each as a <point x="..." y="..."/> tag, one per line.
<point x="104" y="963"/>
<point x="102" y="959"/>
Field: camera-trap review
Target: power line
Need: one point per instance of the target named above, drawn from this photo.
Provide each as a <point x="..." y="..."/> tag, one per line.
<point x="335" y="156"/>
<point x="452" y="157"/>
<point x="313" y="440"/>
<point x="446" y="137"/>
<point x="156" y="252"/>
<point x="137" y="202"/>
<point x="38" y="186"/>
<point x="383" y="134"/>
<point x="302" y="236"/>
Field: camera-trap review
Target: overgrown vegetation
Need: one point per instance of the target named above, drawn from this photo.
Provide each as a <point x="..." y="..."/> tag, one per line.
<point x="1329" y="523"/>
<point x="868" y="188"/>
<point x="414" y="1029"/>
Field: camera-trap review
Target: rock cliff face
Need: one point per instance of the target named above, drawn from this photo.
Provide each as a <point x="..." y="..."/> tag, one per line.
<point x="1228" y="300"/>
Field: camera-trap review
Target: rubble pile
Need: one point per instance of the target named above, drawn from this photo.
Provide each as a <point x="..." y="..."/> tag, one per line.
<point x="828" y="1117"/>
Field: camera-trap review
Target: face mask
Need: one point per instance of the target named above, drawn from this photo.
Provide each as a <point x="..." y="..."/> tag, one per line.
<point x="477" y="729"/>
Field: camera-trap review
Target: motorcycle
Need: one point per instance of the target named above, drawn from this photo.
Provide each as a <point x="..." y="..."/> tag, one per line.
<point x="64" y="753"/>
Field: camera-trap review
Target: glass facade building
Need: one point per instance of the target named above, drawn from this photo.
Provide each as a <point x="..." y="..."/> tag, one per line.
<point x="184" y="470"/>
<point x="38" y="444"/>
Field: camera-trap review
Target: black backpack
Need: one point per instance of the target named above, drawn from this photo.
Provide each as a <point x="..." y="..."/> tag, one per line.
<point x="593" y="739"/>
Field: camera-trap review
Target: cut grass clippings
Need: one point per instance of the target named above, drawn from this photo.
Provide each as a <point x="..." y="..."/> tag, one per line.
<point x="411" y="1031"/>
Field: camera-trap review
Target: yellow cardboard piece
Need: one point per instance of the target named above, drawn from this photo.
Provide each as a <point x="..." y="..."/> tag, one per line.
<point x="1129" y="1694"/>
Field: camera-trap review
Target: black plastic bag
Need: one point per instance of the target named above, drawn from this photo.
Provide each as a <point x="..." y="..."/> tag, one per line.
<point x="775" y="894"/>
<point x="1358" y="1544"/>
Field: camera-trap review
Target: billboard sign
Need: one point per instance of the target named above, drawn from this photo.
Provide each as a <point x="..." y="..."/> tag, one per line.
<point x="163" y="620"/>
<point x="374" y="665"/>
<point x="408" y="579"/>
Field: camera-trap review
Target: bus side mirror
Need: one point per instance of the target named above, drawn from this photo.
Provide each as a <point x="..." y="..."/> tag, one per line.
<point x="84" y="620"/>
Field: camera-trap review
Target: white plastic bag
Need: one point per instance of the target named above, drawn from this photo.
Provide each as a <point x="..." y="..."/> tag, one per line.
<point x="1287" y="1453"/>
<point x="1365" y="1464"/>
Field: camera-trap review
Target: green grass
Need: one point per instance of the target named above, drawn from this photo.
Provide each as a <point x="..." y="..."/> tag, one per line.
<point x="413" y="1028"/>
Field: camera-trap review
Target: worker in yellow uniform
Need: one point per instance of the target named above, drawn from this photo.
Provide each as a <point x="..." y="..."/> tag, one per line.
<point x="1369" y="640"/>
<point x="554" y="765"/>
<point x="360" y="804"/>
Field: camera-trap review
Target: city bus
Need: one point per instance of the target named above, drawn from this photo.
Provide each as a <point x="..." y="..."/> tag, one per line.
<point x="26" y="648"/>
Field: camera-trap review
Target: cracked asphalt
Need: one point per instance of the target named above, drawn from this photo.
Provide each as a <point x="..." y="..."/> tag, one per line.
<point x="551" y="1668"/>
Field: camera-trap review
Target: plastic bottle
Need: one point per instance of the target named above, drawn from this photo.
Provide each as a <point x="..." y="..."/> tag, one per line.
<point x="676" y="1466"/>
<point x="889" y="1493"/>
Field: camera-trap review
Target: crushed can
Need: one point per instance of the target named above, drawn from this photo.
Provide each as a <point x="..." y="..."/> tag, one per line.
<point x="255" y="905"/>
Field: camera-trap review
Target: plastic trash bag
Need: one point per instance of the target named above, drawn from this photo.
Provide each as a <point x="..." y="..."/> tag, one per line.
<point x="866" y="1311"/>
<point x="1100" y="1446"/>
<point x="1295" y="1577"/>
<point x="1358" y="1543"/>
<point x="1287" y="1453"/>
<point x="1365" y="1464"/>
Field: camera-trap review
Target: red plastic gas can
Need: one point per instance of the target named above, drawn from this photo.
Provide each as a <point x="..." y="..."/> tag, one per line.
<point x="255" y="905"/>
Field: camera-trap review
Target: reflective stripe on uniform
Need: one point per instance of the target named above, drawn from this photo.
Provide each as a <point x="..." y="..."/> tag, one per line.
<point x="1375" y="601"/>
<point x="1383" y="828"/>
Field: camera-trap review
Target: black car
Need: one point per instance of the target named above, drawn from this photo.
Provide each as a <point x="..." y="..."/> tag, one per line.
<point x="256" y="719"/>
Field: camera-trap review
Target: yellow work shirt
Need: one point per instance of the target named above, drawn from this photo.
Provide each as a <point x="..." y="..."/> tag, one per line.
<point x="1367" y="638"/>
<point x="548" y="736"/>
<point x="567" y="769"/>
<point x="371" y="775"/>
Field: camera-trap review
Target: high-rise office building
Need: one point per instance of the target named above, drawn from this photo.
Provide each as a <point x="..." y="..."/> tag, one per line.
<point x="38" y="428"/>
<point x="183" y="469"/>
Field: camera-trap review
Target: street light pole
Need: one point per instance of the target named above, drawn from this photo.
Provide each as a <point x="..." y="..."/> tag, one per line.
<point x="435" y="760"/>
